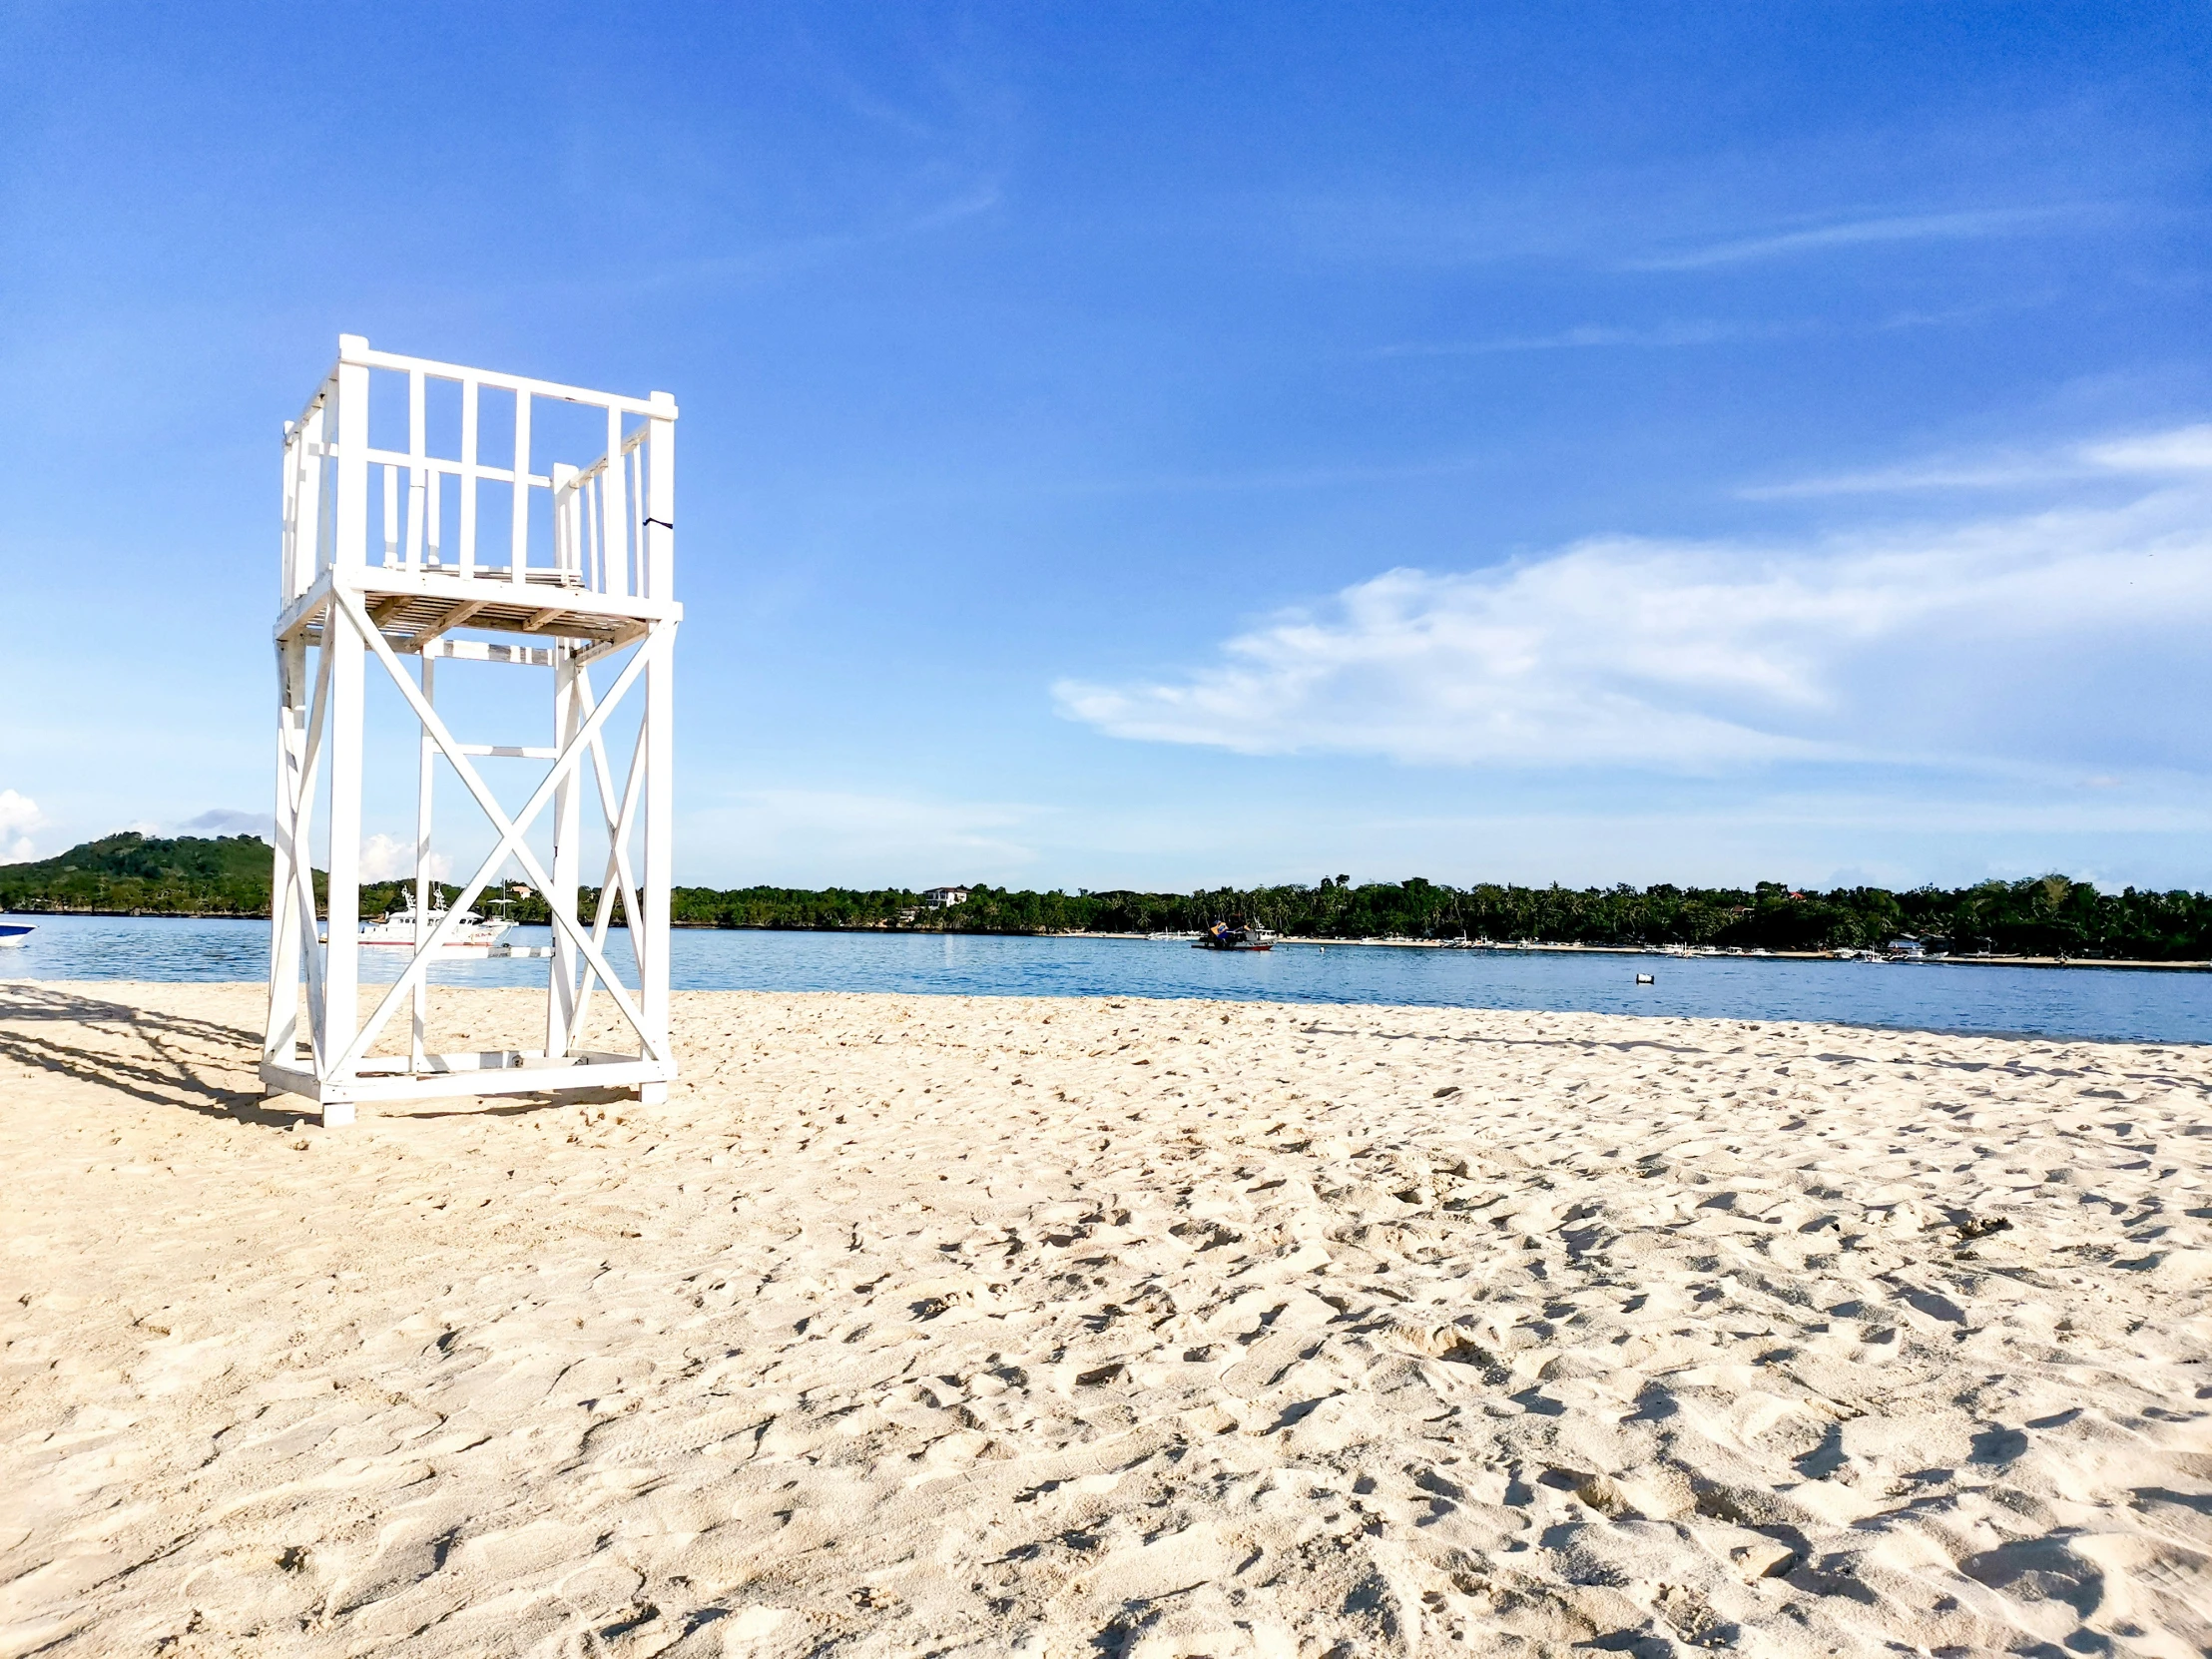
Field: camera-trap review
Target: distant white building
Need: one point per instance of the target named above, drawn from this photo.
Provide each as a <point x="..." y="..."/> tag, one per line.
<point x="942" y="897"/>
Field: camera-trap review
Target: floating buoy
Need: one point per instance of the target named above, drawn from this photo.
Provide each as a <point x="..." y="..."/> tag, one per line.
<point x="1645" y="980"/>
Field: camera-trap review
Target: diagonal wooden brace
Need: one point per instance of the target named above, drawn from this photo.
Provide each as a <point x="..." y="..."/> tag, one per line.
<point x="618" y="880"/>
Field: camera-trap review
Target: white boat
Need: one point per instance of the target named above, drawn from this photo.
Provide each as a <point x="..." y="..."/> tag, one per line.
<point x="473" y="936"/>
<point x="15" y="934"/>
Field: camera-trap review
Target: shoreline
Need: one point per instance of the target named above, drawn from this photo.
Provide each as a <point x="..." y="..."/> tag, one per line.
<point x="1277" y="1007"/>
<point x="1533" y="947"/>
<point x="1693" y="954"/>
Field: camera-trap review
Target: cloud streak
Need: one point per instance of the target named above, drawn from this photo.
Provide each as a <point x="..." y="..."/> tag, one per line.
<point x="1970" y="644"/>
<point x="1972" y="225"/>
<point x="2179" y="452"/>
<point x="1588" y="336"/>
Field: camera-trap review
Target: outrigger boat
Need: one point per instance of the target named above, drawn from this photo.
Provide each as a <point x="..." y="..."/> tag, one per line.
<point x="473" y="936"/>
<point x="16" y="935"/>
<point x="1222" y="936"/>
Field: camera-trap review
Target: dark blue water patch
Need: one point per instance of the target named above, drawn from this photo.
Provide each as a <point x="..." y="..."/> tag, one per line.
<point x="2117" y="1005"/>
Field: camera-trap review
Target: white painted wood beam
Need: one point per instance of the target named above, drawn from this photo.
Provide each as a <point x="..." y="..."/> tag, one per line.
<point x="354" y="348"/>
<point x="490" y="651"/>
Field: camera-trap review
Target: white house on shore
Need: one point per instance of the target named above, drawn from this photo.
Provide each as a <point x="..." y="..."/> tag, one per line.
<point x="942" y="897"/>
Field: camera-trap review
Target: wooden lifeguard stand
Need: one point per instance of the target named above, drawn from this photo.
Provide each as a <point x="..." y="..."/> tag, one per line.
<point x="597" y="595"/>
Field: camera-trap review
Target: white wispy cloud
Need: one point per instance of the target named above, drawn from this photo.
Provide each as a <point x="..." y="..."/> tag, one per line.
<point x="1588" y="335"/>
<point x="1922" y="476"/>
<point x="1972" y="225"/>
<point x="1674" y="334"/>
<point x="392" y="858"/>
<point x="2176" y="452"/>
<point x="19" y="816"/>
<point x="2184" y="449"/>
<point x="1990" y="642"/>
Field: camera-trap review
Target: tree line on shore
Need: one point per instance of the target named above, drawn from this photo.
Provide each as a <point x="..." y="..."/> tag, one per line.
<point x="2049" y="915"/>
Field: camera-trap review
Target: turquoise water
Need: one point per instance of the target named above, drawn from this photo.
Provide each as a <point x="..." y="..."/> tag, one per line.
<point x="2067" y="1003"/>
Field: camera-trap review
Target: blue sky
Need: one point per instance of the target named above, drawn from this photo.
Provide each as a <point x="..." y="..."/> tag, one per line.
<point x="1177" y="444"/>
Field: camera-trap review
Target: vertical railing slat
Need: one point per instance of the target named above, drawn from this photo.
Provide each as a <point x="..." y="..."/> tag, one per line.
<point x="392" y="514"/>
<point x="637" y="498"/>
<point x="518" y="555"/>
<point x="326" y="538"/>
<point x="567" y="552"/>
<point x="469" y="389"/>
<point x="613" y="511"/>
<point x="598" y="535"/>
<point x="315" y="496"/>
<point x="417" y="481"/>
<point x="288" y="560"/>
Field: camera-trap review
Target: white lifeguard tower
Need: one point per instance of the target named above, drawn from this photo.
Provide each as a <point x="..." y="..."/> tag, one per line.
<point x="575" y="579"/>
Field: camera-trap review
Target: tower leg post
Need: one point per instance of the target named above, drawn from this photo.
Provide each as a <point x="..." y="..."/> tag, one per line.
<point x="425" y="780"/>
<point x="342" y="957"/>
<point x="280" y="1035"/>
<point x="568" y="836"/>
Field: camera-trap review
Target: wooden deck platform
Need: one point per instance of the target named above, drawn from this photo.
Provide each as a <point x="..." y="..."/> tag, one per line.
<point x="412" y="607"/>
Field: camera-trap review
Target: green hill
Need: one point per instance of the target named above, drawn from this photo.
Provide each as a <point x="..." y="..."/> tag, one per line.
<point x="134" y="875"/>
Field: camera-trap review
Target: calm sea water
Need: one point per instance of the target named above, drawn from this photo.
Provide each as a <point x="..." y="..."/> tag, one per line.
<point x="2071" y="1002"/>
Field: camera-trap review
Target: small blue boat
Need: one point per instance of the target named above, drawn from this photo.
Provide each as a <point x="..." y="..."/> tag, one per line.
<point x="16" y="932"/>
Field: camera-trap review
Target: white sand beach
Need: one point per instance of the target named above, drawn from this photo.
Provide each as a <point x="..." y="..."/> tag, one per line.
<point x="945" y="1325"/>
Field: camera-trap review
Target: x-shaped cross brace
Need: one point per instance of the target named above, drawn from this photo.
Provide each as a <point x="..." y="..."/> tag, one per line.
<point x="511" y="831"/>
